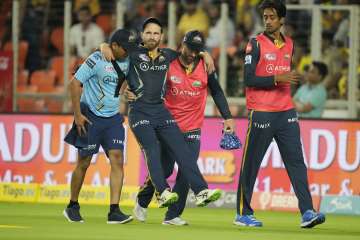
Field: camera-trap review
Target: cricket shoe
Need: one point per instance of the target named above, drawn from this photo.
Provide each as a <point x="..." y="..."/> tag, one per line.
<point x="207" y="196"/>
<point x="247" y="220"/>
<point x="118" y="217"/>
<point x="140" y="213"/>
<point x="72" y="214"/>
<point x="167" y="198"/>
<point x="178" y="221"/>
<point x="311" y="218"/>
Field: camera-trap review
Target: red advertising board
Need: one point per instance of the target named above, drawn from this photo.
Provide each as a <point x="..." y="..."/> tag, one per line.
<point x="6" y="81"/>
<point x="32" y="150"/>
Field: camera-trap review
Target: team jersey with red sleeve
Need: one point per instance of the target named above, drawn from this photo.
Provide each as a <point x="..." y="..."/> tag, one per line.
<point x="186" y="95"/>
<point x="263" y="60"/>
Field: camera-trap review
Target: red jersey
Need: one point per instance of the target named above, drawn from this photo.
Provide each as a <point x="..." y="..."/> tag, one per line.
<point x="186" y="95"/>
<point x="272" y="61"/>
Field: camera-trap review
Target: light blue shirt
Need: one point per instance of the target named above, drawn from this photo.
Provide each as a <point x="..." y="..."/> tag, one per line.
<point x="315" y="95"/>
<point x="99" y="80"/>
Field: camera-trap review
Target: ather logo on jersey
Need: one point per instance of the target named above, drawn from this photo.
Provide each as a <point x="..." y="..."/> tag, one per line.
<point x="270" y="68"/>
<point x="175" y="91"/>
<point x="144" y="66"/>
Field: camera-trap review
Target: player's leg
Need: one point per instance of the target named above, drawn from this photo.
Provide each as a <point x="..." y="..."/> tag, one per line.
<point x="181" y="186"/>
<point x="146" y="192"/>
<point x="172" y="138"/>
<point x="72" y="211"/>
<point x="287" y="137"/>
<point x="147" y="138"/>
<point x="258" y="138"/>
<point x="113" y="143"/>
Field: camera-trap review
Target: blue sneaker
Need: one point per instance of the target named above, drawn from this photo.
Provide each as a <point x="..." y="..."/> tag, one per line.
<point x="311" y="218"/>
<point x="247" y="220"/>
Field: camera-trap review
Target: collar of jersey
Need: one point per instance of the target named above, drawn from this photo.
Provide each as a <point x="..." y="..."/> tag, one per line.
<point x="275" y="41"/>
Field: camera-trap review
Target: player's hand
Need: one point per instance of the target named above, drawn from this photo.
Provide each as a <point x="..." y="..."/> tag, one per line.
<point x="80" y="122"/>
<point x="229" y="126"/>
<point x="107" y="52"/>
<point x="209" y="62"/>
<point x="292" y="77"/>
<point x="129" y="95"/>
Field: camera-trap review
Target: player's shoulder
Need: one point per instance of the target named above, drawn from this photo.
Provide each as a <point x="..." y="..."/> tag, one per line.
<point x="251" y="45"/>
<point x="94" y="59"/>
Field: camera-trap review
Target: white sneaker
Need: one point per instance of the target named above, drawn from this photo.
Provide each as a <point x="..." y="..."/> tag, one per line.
<point x="140" y="213"/>
<point x="175" y="221"/>
<point x="167" y="198"/>
<point x="207" y="196"/>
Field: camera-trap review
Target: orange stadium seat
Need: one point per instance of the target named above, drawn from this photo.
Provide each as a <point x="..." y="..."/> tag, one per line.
<point x="104" y="22"/>
<point x="23" y="50"/>
<point x="57" y="65"/>
<point x="57" y="39"/>
<point x="54" y="105"/>
<point x="31" y="105"/>
<point x="44" y="80"/>
<point x="23" y="77"/>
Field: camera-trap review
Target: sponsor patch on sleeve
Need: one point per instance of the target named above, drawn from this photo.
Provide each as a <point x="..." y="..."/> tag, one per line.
<point x="248" y="47"/>
<point x="91" y="63"/>
<point x="248" y="59"/>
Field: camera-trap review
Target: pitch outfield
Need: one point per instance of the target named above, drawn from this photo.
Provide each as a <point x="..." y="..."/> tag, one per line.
<point x="45" y="221"/>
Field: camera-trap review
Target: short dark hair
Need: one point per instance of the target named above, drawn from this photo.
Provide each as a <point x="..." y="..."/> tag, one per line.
<point x="84" y="8"/>
<point x="152" y="20"/>
<point x="278" y="5"/>
<point x="321" y="67"/>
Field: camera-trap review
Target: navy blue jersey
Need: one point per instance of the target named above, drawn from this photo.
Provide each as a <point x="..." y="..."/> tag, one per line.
<point x="147" y="77"/>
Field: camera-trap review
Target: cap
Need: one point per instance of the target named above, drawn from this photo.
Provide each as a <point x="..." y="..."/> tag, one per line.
<point x="124" y="38"/>
<point x="194" y="40"/>
<point x="151" y="20"/>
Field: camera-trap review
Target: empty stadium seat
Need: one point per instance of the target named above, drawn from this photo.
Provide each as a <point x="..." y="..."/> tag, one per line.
<point x="44" y="80"/>
<point x="57" y="65"/>
<point x="23" y="50"/>
<point x="57" y="39"/>
<point x="104" y="22"/>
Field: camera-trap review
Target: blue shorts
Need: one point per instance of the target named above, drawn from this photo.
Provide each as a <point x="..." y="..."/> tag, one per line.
<point x="105" y="131"/>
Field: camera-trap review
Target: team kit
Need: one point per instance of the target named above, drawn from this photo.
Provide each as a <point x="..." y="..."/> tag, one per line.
<point x="166" y="91"/>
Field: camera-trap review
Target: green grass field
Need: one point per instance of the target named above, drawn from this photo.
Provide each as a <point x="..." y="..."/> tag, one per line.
<point x="45" y="221"/>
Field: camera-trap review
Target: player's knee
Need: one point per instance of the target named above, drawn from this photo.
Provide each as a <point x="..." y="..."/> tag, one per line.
<point x="83" y="164"/>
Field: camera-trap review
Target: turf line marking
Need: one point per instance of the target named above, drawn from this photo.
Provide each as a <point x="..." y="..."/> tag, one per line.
<point x="13" y="226"/>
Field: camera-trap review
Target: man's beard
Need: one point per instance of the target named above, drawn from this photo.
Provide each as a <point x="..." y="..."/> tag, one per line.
<point x="152" y="44"/>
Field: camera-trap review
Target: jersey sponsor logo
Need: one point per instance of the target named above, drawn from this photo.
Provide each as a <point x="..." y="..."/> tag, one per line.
<point x="291" y="120"/>
<point x="117" y="141"/>
<point x="270" y="56"/>
<point x="170" y="121"/>
<point x="175" y="79"/>
<point x="270" y="68"/>
<point x="175" y="91"/>
<point x="144" y="66"/>
<point x="109" y="69"/>
<point x="90" y="147"/>
<point x="110" y="79"/>
<point x="248" y="48"/>
<point x="139" y="123"/>
<point x="248" y="59"/>
<point x="261" y="125"/>
<point x="161" y="58"/>
<point x="90" y="63"/>
<point x="196" y="83"/>
<point x="193" y="136"/>
<point x="144" y="57"/>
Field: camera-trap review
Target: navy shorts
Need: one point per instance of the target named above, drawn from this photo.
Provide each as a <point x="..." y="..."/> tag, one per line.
<point x="105" y="131"/>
